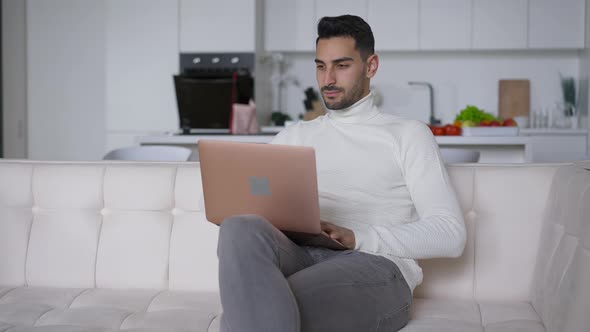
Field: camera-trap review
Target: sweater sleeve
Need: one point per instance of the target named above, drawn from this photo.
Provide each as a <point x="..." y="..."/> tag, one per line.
<point x="287" y="136"/>
<point x="440" y="229"/>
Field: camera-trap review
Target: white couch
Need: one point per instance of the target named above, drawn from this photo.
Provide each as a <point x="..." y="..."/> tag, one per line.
<point x="109" y="246"/>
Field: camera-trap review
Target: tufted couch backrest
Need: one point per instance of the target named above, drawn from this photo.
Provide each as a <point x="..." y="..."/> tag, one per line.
<point x="105" y="224"/>
<point x="561" y="288"/>
<point x="503" y="207"/>
<point x="142" y="225"/>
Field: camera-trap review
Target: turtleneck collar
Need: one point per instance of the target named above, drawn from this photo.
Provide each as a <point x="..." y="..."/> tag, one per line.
<point x="360" y="111"/>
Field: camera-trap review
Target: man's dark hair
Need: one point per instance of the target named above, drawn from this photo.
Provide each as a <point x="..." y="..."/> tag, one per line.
<point x="348" y="26"/>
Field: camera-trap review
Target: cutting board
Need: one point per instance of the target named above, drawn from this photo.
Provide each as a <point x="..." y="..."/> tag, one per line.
<point x="514" y="98"/>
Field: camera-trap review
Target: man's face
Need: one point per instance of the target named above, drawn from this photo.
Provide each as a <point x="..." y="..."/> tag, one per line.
<point x="343" y="77"/>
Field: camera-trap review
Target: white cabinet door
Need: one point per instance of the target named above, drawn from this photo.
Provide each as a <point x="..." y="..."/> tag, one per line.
<point x="394" y="24"/>
<point x="141" y="57"/>
<point x="66" y="79"/>
<point x="217" y="26"/>
<point x="340" y="7"/>
<point x="445" y="24"/>
<point x="556" y="23"/>
<point x="558" y="148"/>
<point x="289" y="25"/>
<point x="500" y="24"/>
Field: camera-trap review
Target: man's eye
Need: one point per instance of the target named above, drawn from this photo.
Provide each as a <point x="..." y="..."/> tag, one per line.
<point x="342" y="66"/>
<point x="320" y="67"/>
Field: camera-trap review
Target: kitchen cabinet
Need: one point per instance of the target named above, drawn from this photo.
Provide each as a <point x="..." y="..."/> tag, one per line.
<point x="65" y="79"/>
<point x="557" y="24"/>
<point x="340" y="7"/>
<point x="394" y="24"/>
<point x="445" y="25"/>
<point x="289" y="25"/>
<point x="141" y="57"/>
<point x="557" y="145"/>
<point x="500" y="24"/>
<point x="217" y="26"/>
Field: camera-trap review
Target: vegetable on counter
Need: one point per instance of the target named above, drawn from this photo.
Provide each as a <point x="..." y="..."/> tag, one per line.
<point x="472" y="116"/>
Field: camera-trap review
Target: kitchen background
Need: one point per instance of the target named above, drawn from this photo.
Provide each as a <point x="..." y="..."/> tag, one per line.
<point x="82" y="77"/>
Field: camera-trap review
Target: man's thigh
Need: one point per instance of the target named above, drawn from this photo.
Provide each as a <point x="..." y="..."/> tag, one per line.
<point x="352" y="291"/>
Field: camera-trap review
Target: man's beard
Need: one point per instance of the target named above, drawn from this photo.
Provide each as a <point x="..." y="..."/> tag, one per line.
<point x="348" y="99"/>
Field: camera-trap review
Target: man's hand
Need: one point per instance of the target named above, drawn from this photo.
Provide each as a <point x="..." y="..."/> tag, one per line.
<point x="340" y="234"/>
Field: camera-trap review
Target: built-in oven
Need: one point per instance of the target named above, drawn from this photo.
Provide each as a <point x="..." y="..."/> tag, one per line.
<point x="208" y="86"/>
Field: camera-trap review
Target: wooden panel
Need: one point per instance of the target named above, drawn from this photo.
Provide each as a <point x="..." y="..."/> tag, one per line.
<point x="514" y="98"/>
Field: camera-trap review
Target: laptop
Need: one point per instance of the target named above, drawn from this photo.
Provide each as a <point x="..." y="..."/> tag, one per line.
<point x="277" y="182"/>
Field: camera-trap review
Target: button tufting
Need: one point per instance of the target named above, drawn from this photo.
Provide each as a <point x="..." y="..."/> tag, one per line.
<point x="176" y="211"/>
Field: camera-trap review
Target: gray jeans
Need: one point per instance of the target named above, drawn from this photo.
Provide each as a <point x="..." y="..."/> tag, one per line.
<point x="270" y="284"/>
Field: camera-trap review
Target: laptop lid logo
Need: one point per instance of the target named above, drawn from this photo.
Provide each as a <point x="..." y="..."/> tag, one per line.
<point x="259" y="186"/>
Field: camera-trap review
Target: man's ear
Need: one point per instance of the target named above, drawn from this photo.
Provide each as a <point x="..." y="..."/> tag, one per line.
<point x="372" y="65"/>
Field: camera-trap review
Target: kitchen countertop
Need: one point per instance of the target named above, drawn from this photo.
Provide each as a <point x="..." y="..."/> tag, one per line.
<point x="265" y="138"/>
<point x="502" y="149"/>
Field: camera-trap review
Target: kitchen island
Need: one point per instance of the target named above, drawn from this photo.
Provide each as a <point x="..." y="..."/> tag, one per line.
<point x="500" y="149"/>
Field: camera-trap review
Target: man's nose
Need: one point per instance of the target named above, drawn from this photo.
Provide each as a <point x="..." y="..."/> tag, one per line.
<point x="329" y="77"/>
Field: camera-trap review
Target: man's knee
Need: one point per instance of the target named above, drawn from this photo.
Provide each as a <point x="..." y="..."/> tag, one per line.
<point x="244" y="231"/>
<point x="242" y="225"/>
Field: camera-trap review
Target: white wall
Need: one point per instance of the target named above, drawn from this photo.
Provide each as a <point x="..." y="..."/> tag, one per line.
<point x="66" y="79"/>
<point x="458" y="78"/>
<point x="585" y="78"/>
<point x="14" y="96"/>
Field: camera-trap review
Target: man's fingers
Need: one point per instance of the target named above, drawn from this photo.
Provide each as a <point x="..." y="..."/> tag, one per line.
<point x="327" y="226"/>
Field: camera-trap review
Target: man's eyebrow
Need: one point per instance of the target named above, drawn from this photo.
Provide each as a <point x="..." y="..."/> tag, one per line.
<point x="343" y="59"/>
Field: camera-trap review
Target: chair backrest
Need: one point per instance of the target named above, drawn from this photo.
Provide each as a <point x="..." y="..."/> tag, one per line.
<point x="150" y="153"/>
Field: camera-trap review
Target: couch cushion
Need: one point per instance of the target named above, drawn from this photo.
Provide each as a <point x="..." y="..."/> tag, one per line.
<point x="52" y="297"/>
<point x="106" y="318"/>
<point x="56" y="309"/>
<point x="179" y="311"/>
<point x="59" y="328"/>
<point x="4" y="326"/>
<point x="130" y="300"/>
<point x="22" y="314"/>
<point x="468" y="316"/>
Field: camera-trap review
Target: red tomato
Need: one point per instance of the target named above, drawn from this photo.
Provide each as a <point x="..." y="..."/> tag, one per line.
<point x="438" y="131"/>
<point x="452" y="130"/>
<point x="509" y="123"/>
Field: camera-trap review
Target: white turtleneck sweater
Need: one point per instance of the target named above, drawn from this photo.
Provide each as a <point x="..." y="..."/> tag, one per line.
<point x="382" y="176"/>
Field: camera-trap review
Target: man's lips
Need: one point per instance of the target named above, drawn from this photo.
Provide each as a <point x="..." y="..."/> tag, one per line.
<point x="331" y="93"/>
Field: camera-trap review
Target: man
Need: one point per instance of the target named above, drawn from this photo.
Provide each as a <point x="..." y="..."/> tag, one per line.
<point x="384" y="193"/>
